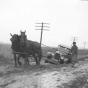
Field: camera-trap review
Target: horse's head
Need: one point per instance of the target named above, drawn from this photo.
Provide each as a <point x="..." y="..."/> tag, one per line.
<point x="22" y="33"/>
<point x="15" y="42"/>
<point x="23" y="38"/>
<point x="14" y="38"/>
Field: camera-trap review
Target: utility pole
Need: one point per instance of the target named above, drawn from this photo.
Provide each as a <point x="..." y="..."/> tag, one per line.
<point x="84" y="45"/>
<point x="42" y="28"/>
<point x="74" y="39"/>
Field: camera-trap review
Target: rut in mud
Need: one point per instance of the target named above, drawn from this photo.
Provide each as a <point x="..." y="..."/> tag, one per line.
<point x="44" y="76"/>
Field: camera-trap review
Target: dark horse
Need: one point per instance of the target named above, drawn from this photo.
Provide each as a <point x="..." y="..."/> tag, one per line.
<point x="16" y="48"/>
<point x="30" y="47"/>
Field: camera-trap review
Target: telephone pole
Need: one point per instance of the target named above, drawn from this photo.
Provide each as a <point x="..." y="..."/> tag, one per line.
<point x="42" y="28"/>
<point x="84" y="45"/>
<point x="74" y="39"/>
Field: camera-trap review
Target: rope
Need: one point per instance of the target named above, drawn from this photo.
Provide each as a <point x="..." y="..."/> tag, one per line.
<point x="49" y="47"/>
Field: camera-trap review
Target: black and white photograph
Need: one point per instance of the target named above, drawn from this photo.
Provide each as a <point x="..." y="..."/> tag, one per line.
<point x="43" y="44"/>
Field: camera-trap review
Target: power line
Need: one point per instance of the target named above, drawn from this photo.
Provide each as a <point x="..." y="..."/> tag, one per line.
<point x="42" y="28"/>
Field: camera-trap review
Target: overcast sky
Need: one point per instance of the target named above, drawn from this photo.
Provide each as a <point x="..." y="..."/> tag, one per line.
<point x="67" y="18"/>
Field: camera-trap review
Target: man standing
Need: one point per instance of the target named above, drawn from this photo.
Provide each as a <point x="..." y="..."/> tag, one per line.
<point x="74" y="51"/>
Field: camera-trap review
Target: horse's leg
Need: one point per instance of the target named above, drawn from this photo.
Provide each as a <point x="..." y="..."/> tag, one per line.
<point x="18" y="59"/>
<point x="15" y="59"/>
<point x="27" y="61"/>
<point x="35" y="56"/>
<point x="39" y="57"/>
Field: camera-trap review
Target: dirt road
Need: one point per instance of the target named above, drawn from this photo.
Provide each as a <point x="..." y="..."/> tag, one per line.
<point x="44" y="76"/>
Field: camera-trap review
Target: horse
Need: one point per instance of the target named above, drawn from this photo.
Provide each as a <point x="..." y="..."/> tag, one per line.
<point x="16" y="48"/>
<point x="30" y="47"/>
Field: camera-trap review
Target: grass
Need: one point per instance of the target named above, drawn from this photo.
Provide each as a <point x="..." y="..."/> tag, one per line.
<point x="5" y="52"/>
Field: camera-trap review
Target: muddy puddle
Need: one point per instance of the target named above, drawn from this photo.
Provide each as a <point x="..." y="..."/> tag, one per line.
<point x="44" y="76"/>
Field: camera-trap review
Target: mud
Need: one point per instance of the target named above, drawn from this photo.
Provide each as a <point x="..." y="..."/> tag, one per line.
<point x="44" y="76"/>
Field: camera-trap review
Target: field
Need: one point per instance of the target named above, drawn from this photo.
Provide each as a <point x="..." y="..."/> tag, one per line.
<point x="43" y="76"/>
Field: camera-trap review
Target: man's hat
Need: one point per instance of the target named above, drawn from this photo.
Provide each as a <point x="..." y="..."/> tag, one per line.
<point x="74" y="42"/>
